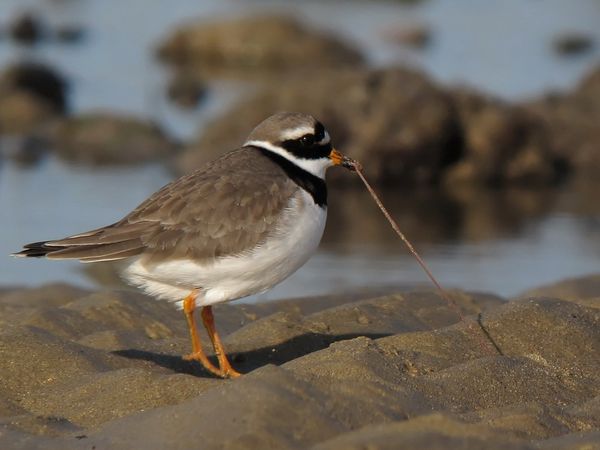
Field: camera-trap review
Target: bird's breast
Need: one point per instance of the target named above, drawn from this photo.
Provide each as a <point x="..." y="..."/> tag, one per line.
<point x="293" y="239"/>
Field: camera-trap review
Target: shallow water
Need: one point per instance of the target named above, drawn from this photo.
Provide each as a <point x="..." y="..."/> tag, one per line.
<point x="499" y="242"/>
<point x="504" y="242"/>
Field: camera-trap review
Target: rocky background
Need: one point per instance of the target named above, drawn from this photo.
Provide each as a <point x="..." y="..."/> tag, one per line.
<point x="409" y="128"/>
<point x="382" y="367"/>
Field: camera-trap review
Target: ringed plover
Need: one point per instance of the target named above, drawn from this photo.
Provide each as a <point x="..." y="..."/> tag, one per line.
<point x="235" y="227"/>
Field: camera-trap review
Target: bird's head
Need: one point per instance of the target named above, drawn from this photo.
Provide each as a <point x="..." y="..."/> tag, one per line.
<point x="301" y="139"/>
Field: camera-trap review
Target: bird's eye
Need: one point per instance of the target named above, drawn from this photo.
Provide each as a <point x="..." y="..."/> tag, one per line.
<point x="307" y="140"/>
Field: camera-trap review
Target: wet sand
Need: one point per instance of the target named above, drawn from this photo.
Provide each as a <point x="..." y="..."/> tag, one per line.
<point x="82" y="369"/>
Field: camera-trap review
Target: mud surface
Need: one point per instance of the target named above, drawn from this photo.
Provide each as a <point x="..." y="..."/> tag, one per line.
<point x="104" y="369"/>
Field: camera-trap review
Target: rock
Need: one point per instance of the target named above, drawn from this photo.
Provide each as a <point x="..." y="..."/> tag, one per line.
<point x="21" y="111"/>
<point x="186" y="90"/>
<point x="25" y="150"/>
<point x="391" y="372"/>
<point x="572" y="43"/>
<point x="410" y="2"/>
<point x="21" y="303"/>
<point x="30" y="29"/>
<point x="413" y="35"/>
<point x="404" y="128"/>
<point x="440" y="387"/>
<point x="250" y="46"/>
<point x="69" y="33"/>
<point x="102" y="138"/>
<point x="502" y="144"/>
<point x="433" y="216"/>
<point x="578" y="441"/>
<point x="571" y="125"/>
<point x="283" y="336"/>
<point x="395" y="119"/>
<point x="584" y="290"/>
<point x="590" y="86"/>
<point x="99" y="354"/>
<point x="32" y="95"/>
<point x="26" y="29"/>
<point x="40" y="80"/>
<point x="66" y="331"/>
<point x="435" y="432"/>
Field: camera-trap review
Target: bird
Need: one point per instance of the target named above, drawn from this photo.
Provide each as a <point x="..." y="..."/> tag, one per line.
<point x="235" y="227"/>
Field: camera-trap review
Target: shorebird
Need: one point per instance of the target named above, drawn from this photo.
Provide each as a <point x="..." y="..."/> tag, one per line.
<point x="235" y="227"/>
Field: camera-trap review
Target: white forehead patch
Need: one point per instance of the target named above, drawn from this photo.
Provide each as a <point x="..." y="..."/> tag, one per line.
<point x="325" y="139"/>
<point x="296" y="133"/>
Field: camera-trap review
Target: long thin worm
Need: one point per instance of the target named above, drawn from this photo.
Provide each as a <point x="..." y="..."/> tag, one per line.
<point x="357" y="167"/>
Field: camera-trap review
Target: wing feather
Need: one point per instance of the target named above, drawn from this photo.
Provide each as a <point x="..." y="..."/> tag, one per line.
<point x="225" y="208"/>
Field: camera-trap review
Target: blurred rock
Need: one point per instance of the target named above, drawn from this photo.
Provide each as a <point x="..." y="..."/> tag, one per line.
<point x="31" y="95"/>
<point x="572" y="43"/>
<point x="20" y="111"/>
<point x="21" y="303"/>
<point x="186" y="90"/>
<point x="69" y="33"/>
<point x="590" y="86"/>
<point x="26" y="150"/>
<point x="113" y="354"/>
<point x="413" y="35"/>
<point x="403" y="127"/>
<point x="106" y="138"/>
<point x="410" y="2"/>
<point x="502" y="144"/>
<point x="250" y="46"/>
<point x="571" y="123"/>
<point x="407" y="130"/>
<point x="395" y="119"/>
<point x="26" y="28"/>
<point x="29" y="29"/>
<point x="39" y="79"/>
<point x="105" y="275"/>
<point x="584" y="290"/>
<point x="433" y="216"/>
<point x="432" y="432"/>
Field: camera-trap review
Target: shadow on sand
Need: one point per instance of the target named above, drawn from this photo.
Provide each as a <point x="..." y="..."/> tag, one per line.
<point x="250" y="360"/>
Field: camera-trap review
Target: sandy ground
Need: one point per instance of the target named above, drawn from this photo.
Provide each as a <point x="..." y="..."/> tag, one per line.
<point x="99" y="370"/>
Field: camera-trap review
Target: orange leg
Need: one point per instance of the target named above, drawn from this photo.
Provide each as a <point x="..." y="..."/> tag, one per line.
<point x="209" y="324"/>
<point x="189" y="304"/>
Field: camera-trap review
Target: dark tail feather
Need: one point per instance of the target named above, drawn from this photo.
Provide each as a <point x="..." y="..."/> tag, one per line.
<point x="84" y="253"/>
<point x="116" y="241"/>
<point x="35" y="250"/>
<point x="98" y="252"/>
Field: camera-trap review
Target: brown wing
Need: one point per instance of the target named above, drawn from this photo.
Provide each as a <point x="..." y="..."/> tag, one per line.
<point x="225" y="208"/>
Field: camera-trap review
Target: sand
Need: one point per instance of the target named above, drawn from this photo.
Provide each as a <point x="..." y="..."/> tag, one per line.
<point x="83" y="370"/>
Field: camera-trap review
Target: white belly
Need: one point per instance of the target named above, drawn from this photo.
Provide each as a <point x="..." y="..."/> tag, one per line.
<point x="291" y="244"/>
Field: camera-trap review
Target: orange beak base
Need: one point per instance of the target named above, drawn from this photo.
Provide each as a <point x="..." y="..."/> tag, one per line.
<point x="340" y="160"/>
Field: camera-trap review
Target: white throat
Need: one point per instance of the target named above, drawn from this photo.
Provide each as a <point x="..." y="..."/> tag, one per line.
<point x="317" y="167"/>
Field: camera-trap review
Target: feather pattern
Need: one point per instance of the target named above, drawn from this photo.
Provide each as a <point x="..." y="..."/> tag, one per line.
<point x="223" y="209"/>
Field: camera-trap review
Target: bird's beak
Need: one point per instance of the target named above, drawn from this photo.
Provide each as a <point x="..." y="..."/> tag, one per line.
<point x="340" y="160"/>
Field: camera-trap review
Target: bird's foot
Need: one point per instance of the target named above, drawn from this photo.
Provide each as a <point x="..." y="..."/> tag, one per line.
<point x="202" y="359"/>
<point x="224" y="372"/>
<point x="230" y="373"/>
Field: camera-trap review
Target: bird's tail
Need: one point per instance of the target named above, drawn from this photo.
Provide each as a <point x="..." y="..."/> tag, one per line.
<point x="104" y="244"/>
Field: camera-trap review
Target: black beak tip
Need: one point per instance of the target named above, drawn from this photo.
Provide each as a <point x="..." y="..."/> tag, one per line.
<point x="350" y="164"/>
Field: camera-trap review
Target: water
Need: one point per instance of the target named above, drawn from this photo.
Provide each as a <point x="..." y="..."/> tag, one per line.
<point x="490" y="241"/>
<point x="501" y="47"/>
